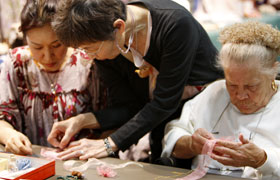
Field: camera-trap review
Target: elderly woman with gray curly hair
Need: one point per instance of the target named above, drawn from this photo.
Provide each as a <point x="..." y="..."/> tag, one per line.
<point x="244" y="106"/>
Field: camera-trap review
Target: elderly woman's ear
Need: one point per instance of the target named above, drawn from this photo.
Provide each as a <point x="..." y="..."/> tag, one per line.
<point x="276" y="67"/>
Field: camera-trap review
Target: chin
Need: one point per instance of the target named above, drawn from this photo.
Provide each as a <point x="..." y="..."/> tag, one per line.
<point x="54" y="69"/>
<point x="246" y="110"/>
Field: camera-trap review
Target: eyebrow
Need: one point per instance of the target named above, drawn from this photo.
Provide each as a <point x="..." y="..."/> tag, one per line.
<point x="40" y="44"/>
<point x="90" y="47"/>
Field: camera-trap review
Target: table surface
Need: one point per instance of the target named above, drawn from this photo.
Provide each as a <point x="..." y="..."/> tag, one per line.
<point x="148" y="171"/>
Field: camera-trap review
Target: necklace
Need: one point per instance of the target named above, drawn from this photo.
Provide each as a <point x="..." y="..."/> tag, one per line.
<point x="52" y="81"/>
<point x="252" y="134"/>
<point x="131" y="37"/>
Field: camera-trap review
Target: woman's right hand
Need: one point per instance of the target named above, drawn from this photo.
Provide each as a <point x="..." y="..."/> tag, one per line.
<point x="198" y="139"/>
<point x="190" y="146"/>
<point x="63" y="131"/>
<point x="18" y="143"/>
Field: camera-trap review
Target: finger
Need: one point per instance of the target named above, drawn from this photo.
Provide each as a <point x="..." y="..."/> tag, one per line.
<point x="243" y="140"/>
<point x="66" y="138"/>
<point x="69" y="151"/>
<point x="199" y="139"/>
<point x="223" y="159"/>
<point x="228" y="144"/>
<point x="74" y="143"/>
<point x="27" y="148"/>
<point x="228" y="152"/>
<point x="205" y="134"/>
<point x="11" y="147"/>
<point x="72" y="155"/>
<point x="53" y="138"/>
<point x="21" y="147"/>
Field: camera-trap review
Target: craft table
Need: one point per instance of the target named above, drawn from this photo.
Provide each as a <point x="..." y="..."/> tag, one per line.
<point x="131" y="172"/>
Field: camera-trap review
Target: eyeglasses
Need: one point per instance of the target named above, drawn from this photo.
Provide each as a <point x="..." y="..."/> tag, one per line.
<point x="92" y="53"/>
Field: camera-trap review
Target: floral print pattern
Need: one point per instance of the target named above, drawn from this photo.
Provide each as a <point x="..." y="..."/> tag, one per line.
<point x="26" y="98"/>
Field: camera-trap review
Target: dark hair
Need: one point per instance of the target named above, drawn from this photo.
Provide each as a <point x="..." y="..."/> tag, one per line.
<point x="37" y="13"/>
<point x="80" y="21"/>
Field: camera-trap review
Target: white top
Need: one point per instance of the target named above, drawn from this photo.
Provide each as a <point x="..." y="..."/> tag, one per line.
<point x="213" y="111"/>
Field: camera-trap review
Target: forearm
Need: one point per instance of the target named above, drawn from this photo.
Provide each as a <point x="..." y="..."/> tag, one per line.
<point x="88" y="121"/>
<point x="183" y="148"/>
<point x="6" y="130"/>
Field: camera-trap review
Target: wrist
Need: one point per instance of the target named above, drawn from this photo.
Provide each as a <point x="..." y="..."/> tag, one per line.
<point x="192" y="149"/>
<point x="110" y="146"/>
<point x="8" y="132"/>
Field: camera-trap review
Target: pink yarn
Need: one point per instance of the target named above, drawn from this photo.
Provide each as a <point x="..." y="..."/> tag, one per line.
<point x="105" y="171"/>
<point x="202" y="167"/>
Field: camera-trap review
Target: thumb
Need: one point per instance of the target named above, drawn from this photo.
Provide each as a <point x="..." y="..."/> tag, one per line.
<point x="66" y="139"/>
<point x="242" y="139"/>
<point x="53" y="138"/>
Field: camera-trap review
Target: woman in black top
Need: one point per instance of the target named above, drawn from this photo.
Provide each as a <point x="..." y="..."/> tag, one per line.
<point x="158" y="35"/>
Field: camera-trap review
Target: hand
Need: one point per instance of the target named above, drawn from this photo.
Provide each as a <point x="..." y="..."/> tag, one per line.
<point x="238" y="154"/>
<point x="18" y="143"/>
<point x="189" y="146"/>
<point x="63" y="131"/>
<point x="86" y="148"/>
<point x="199" y="138"/>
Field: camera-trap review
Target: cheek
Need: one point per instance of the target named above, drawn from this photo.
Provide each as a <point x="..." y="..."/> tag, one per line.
<point x="36" y="54"/>
<point x="259" y="96"/>
<point x="60" y="53"/>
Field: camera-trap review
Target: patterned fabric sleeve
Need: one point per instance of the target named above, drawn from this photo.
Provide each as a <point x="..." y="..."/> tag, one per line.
<point x="9" y="110"/>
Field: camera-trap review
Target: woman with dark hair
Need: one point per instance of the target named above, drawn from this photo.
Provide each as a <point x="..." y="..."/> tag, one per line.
<point x="161" y="41"/>
<point x="43" y="82"/>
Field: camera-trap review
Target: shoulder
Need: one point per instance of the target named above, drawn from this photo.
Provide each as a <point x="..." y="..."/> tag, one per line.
<point x="211" y="101"/>
<point x="79" y="59"/>
<point x="165" y="11"/>
<point x="16" y="58"/>
<point x="20" y="54"/>
<point x="214" y="93"/>
<point x="216" y="87"/>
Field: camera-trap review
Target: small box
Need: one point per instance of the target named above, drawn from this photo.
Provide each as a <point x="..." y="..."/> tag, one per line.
<point x="41" y="168"/>
<point x="3" y="164"/>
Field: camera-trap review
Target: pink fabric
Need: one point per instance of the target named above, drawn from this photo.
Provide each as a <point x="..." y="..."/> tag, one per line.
<point x="137" y="152"/>
<point x="202" y="167"/>
<point x="105" y="171"/>
<point x="50" y="153"/>
<point x="93" y="162"/>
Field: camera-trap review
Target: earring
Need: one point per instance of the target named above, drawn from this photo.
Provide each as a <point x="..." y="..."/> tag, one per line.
<point x="274" y="86"/>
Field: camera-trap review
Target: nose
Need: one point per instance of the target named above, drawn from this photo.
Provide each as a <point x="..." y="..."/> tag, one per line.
<point x="241" y="94"/>
<point x="47" y="55"/>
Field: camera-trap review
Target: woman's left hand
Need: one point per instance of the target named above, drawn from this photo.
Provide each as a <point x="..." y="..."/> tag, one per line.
<point x="238" y="154"/>
<point x="85" y="149"/>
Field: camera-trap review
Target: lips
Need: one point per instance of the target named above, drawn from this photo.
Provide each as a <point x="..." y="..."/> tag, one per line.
<point x="50" y="65"/>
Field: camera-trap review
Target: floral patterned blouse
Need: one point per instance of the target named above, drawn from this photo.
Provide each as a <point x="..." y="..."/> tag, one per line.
<point x="31" y="99"/>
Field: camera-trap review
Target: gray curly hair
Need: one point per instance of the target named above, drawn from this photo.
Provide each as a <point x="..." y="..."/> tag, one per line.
<point x="250" y="43"/>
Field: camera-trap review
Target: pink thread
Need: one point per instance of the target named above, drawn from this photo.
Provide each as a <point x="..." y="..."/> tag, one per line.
<point x="105" y="171"/>
<point x="202" y="167"/>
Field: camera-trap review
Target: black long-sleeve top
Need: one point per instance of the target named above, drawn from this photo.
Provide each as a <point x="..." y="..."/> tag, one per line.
<point x="180" y="50"/>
